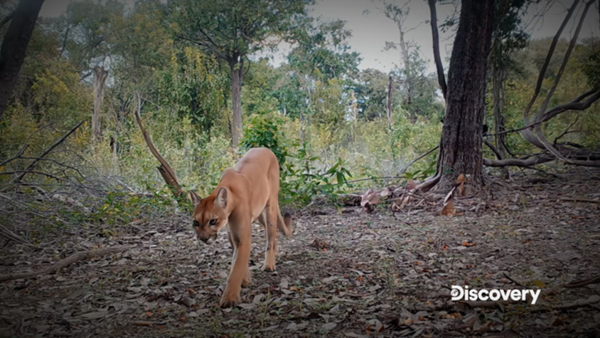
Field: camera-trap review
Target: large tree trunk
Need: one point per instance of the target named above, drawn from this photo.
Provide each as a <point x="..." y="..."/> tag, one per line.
<point x="236" y="100"/>
<point x="14" y="47"/>
<point x="461" y="151"/>
<point x="100" y="75"/>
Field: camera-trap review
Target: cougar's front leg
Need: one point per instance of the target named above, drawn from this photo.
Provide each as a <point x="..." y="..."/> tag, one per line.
<point x="247" y="279"/>
<point x="241" y="236"/>
<point x="271" y="242"/>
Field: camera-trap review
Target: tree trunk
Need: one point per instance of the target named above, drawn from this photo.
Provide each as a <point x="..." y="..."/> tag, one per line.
<point x="389" y="101"/>
<point x="498" y="77"/>
<point x="407" y="66"/>
<point x="100" y="75"/>
<point x="14" y="47"/>
<point x="236" y="99"/>
<point x="461" y="144"/>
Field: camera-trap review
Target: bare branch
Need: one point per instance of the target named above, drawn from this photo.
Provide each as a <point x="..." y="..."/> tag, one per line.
<point x="416" y="159"/>
<point x="513" y="162"/>
<point x="565" y="59"/>
<point x="165" y="169"/>
<point x="436" y="47"/>
<point x="24" y="172"/>
<point x="573" y="105"/>
<point x="542" y="74"/>
<point x="46" y="152"/>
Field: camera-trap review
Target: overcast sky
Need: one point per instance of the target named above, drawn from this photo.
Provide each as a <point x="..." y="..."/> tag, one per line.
<point x="371" y="29"/>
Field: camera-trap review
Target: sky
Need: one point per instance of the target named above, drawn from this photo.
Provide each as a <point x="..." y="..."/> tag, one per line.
<point x="371" y="29"/>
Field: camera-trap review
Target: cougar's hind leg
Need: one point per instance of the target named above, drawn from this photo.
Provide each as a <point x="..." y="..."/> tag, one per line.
<point x="271" y="232"/>
<point x="262" y="218"/>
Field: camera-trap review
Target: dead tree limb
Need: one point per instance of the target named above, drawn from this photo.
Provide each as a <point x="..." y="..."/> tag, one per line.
<point x="21" y="151"/>
<point x="515" y="162"/>
<point x="538" y="85"/>
<point x="416" y="159"/>
<point x="46" y="152"/>
<point x="12" y="236"/>
<point x="65" y="262"/>
<point x="436" y="47"/>
<point x="576" y="104"/>
<point x="165" y="169"/>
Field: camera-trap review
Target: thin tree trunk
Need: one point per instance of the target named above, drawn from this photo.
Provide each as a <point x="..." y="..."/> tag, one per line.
<point x="389" y="101"/>
<point x="436" y="47"/>
<point x="236" y="100"/>
<point x="100" y="75"/>
<point x="14" y="47"/>
<point x="407" y="68"/>
<point x="498" y="77"/>
<point x="461" y="144"/>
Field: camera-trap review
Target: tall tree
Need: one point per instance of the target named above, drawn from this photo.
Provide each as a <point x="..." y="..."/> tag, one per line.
<point x="14" y="47"/>
<point x="461" y="142"/>
<point x="322" y="54"/>
<point x="510" y="36"/>
<point x="231" y="30"/>
<point x="85" y="28"/>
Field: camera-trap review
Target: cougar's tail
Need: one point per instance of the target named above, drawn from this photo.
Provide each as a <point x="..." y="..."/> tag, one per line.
<point x="284" y="223"/>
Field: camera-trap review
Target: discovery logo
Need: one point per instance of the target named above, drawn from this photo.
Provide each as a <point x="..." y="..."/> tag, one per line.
<point x="460" y="293"/>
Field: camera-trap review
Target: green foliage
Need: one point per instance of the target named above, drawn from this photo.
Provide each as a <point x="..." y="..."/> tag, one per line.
<point x="191" y="87"/>
<point x="210" y="24"/>
<point x="264" y="131"/>
<point x="301" y="183"/>
<point x="123" y="208"/>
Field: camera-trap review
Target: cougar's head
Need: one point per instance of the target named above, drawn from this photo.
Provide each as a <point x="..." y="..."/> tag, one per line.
<point x="210" y="215"/>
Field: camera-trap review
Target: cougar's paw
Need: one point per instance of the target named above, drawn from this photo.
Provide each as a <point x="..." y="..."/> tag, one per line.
<point x="229" y="301"/>
<point x="268" y="267"/>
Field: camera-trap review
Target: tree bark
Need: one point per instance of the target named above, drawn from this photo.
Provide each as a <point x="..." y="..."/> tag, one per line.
<point x="14" y="47"/>
<point x="100" y="75"/>
<point x="461" y="144"/>
<point x="498" y="77"/>
<point x="237" y="74"/>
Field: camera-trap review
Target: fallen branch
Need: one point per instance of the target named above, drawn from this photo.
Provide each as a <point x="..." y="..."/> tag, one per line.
<point x="578" y="200"/>
<point x="569" y="306"/>
<point x="23" y="172"/>
<point x="12" y="236"/>
<point x="578" y="284"/>
<point x="64" y="263"/>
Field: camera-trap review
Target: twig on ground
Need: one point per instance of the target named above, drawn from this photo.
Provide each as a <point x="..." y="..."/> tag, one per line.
<point x="578" y="200"/>
<point x="512" y="280"/>
<point x="64" y="263"/>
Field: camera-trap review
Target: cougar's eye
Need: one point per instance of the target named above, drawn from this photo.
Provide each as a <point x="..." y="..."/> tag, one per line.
<point x="213" y="221"/>
<point x="195" y="224"/>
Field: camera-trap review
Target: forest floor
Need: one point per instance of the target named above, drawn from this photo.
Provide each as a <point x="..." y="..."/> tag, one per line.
<point x="344" y="273"/>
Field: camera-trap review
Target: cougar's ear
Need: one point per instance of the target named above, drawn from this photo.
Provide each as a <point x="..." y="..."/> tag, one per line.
<point x="195" y="198"/>
<point x="221" y="199"/>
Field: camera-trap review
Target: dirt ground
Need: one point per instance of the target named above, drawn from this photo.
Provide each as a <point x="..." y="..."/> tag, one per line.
<point x="344" y="273"/>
